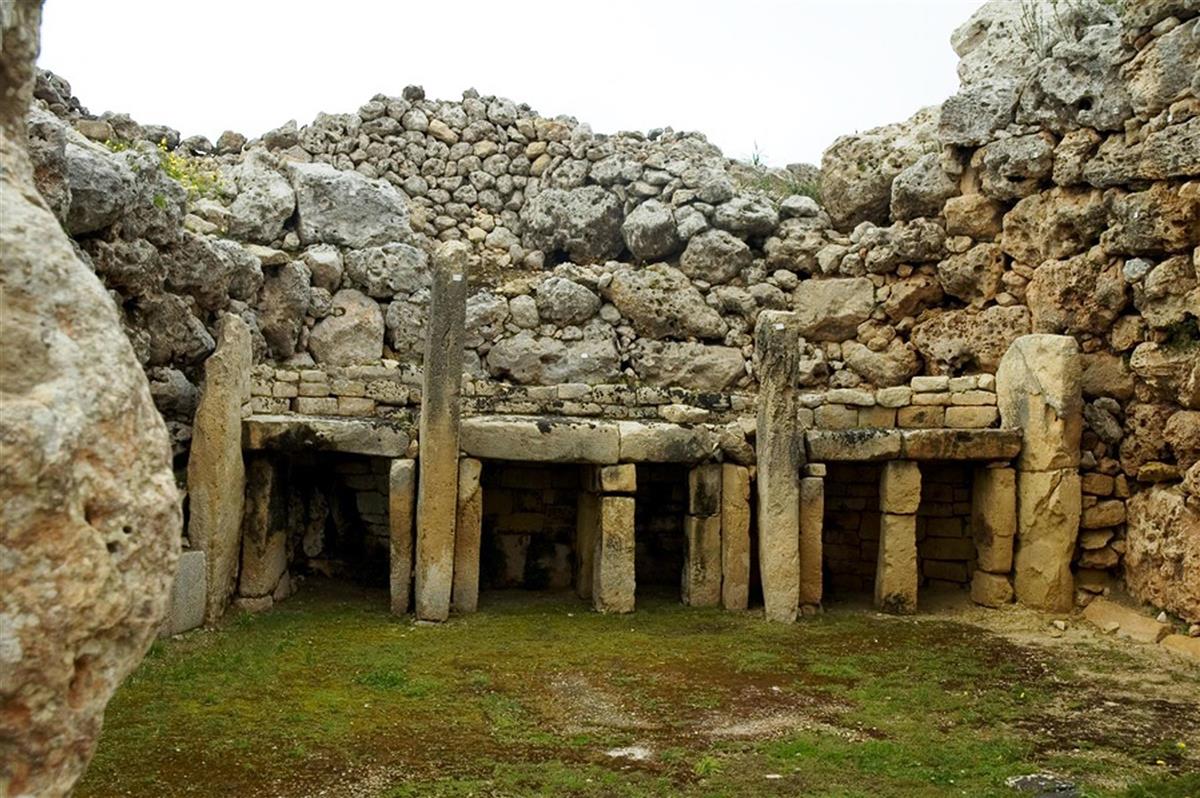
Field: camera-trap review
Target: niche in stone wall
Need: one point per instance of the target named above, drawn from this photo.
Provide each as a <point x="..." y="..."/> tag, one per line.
<point x="660" y="506"/>
<point x="528" y="535"/>
<point x="945" y="547"/>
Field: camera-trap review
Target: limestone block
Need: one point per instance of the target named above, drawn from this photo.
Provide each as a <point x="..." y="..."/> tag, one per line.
<point x="735" y="536"/>
<point x="896" y="567"/>
<point x="264" y="531"/>
<point x="853" y="444"/>
<point x="216" y="474"/>
<point x="900" y="487"/>
<point x="373" y="437"/>
<point x="467" y="533"/>
<point x="704" y="490"/>
<point x="532" y="438"/>
<point x="402" y="490"/>
<point x="1127" y="622"/>
<point x="702" y="561"/>
<point x="1039" y="391"/>
<point x="587" y="530"/>
<point x="990" y="590"/>
<point x="780" y="454"/>
<point x="812" y="521"/>
<point x="611" y="479"/>
<point x="1182" y="644"/>
<point x="613" y="584"/>
<point x="186" y="608"/>
<point x="437" y="488"/>
<point x="665" y="443"/>
<point x="1048" y="509"/>
<point x="961" y="444"/>
<point x="994" y="518"/>
<point x="1162" y="562"/>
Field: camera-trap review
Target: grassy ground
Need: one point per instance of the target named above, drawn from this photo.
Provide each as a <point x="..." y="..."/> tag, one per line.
<point x="329" y="695"/>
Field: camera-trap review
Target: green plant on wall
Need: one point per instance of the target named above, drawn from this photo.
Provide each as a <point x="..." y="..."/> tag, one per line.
<point x="191" y="173"/>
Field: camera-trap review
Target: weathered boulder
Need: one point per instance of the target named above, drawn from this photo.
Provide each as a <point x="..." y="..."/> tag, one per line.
<point x="156" y="213"/>
<point x="1182" y="433"/>
<point x="650" y="231"/>
<point x="831" y="310"/>
<point x="857" y="171"/>
<point x="1162" y="555"/>
<point x="1170" y="372"/>
<point x="910" y="295"/>
<point x="895" y="365"/>
<point x="661" y="302"/>
<point x="715" y="256"/>
<point x="1013" y="167"/>
<point x="264" y="201"/>
<point x="173" y="334"/>
<point x="584" y="223"/>
<point x="282" y="306"/>
<point x="1169" y="293"/>
<point x="1164" y="69"/>
<point x="131" y="267"/>
<point x="1055" y="224"/>
<point x="210" y="270"/>
<point x="486" y="315"/>
<point x="102" y="187"/>
<point x="1159" y="219"/>
<point x="565" y="301"/>
<point x="973" y="276"/>
<point x="747" y="215"/>
<point x="968" y="339"/>
<point x="694" y="366"/>
<point x="1084" y="294"/>
<point x="345" y="208"/>
<point x="530" y="359"/>
<point x="1145" y="440"/>
<point x="383" y="272"/>
<point x="89" y="512"/>
<point x="922" y="188"/>
<point x="353" y="332"/>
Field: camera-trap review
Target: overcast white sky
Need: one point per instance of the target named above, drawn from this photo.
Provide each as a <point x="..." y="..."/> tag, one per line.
<point x="787" y="77"/>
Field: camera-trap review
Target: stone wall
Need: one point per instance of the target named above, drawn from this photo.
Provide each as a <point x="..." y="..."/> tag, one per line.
<point x="622" y="275"/>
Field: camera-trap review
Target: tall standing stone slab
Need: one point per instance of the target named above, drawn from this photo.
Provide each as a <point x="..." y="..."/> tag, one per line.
<point x="587" y="529"/>
<point x="402" y="490"/>
<point x="812" y="526"/>
<point x="1038" y="390"/>
<point x="896" y="568"/>
<point x="994" y="518"/>
<point x="437" y="488"/>
<point x="702" y="561"/>
<point x="468" y="532"/>
<point x="613" y="585"/>
<point x="735" y="536"/>
<point x="780" y="453"/>
<point x="896" y="574"/>
<point x="216" y="475"/>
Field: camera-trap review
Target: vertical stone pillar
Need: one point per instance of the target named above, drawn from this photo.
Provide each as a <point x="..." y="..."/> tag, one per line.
<point x="779" y="447"/>
<point x="896" y="569"/>
<point x="264" y="532"/>
<point x="701" y="583"/>
<point x="596" y="481"/>
<point x="467" y="533"/>
<point x="1038" y="390"/>
<point x="735" y="536"/>
<point x="812" y="527"/>
<point x="994" y="526"/>
<point x="402" y="490"/>
<point x="216" y="475"/>
<point x="437" y="489"/>
<point x="613" y="584"/>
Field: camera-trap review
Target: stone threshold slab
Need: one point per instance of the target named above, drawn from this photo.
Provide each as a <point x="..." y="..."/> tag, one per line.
<point x="876" y="445"/>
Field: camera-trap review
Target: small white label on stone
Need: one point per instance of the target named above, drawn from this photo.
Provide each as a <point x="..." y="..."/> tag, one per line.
<point x="779" y="326"/>
<point x="584" y="355"/>
<point x="457" y="278"/>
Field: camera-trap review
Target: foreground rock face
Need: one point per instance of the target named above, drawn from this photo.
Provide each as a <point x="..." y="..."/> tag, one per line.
<point x="1163" y="556"/>
<point x="89" y="513"/>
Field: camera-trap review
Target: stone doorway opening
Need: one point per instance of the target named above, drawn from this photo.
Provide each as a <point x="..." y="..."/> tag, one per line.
<point x="660" y="538"/>
<point x="528" y="529"/>
<point x="850" y="533"/>
<point x="312" y="515"/>
<point x="945" y="546"/>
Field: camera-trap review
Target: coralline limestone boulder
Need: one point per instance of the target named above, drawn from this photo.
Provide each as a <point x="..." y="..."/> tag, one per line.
<point x="531" y="359"/>
<point x="342" y="207"/>
<point x="565" y="301"/>
<point x="1054" y="224"/>
<point x="831" y="310"/>
<point x="102" y="187"/>
<point x="715" y="256"/>
<point x="963" y="339"/>
<point x="583" y="222"/>
<point x="264" y="201"/>
<point x="689" y="365"/>
<point x="383" y="272"/>
<point x="650" y="231"/>
<point x="1162" y="558"/>
<point x="89" y="513"/>
<point x="922" y="189"/>
<point x="662" y="303"/>
<point x="857" y="171"/>
<point x="284" y="301"/>
<point x="352" y="333"/>
<point x="1084" y="294"/>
